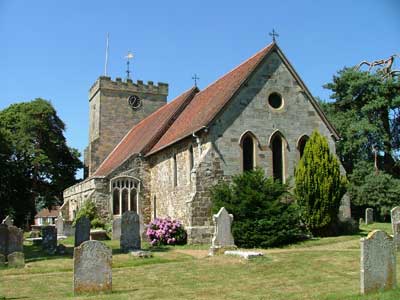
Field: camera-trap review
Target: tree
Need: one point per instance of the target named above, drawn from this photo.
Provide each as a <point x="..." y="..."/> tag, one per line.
<point x="39" y="162"/>
<point x="366" y="112"/>
<point x="319" y="187"/>
<point x="261" y="216"/>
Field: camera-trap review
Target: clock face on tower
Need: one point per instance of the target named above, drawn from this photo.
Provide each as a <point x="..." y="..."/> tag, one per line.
<point x="134" y="102"/>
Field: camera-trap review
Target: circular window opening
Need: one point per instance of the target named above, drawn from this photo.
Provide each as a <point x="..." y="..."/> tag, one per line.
<point x="275" y="100"/>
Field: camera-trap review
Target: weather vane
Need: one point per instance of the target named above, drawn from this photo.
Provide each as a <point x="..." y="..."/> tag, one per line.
<point x="128" y="57"/>
<point x="274" y="34"/>
<point x="195" y="78"/>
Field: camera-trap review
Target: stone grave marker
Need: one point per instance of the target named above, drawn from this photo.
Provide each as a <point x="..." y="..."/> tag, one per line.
<point x="15" y="239"/>
<point x="82" y="230"/>
<point x="116" y="228"/>
<point x="396" y="235"/>
<point x="69" y="230"/>
<point x="8" y="221"/>
<point x="378" y="262"/>
<point x="369" y="216"/>
<point x="92" y="268"/>
<point x="3" y="239"/>
<point x="49" y="239"/>
<point x="222" y="238"/>
<point x="130" y="231"/>
<point x="2" y="260"/>
<point x="16" y="260"/>
<point x="395" y="216"/>
<point x="60" y="225"/>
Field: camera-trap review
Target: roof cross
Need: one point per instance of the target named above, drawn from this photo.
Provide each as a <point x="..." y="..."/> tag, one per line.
<point x="274" y="34"/>
<point x="195" y="78"/>
<point x="128" y="57"/>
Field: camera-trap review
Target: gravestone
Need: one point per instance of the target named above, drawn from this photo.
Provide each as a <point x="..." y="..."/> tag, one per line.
<point x="69" y="230"/>
<point x="60" y="225"/>
<point x="378" y="262"/>
<point x="2" y="260"/>
<point x="15" y="239"/>
<point x="395" y="216"/>
<point x="396" y="235"/>
<point x="16" y="260"/>
<point x="116" y="228"/>
<point x="82" y="230"/>
<point x="223" y="238"/>
<point x="8" y="221"/>
<point x="3" y="239"/>
<point x="92" y="268"/>
<point x="369" y="216"/>
<point x="130" y="231"/>
<point x="49" y="239"/>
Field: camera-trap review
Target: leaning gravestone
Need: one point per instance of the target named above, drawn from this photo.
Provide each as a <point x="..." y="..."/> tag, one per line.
<point x="116" y="228"/>
<point x="15" y="239"/>
<point x="8" y="221"/>
<point x="130" y="231"/>
<point x="82" y="230"/>
<point x="60" y="225"/>
<point x="223" y="238"/>
<point x="3" y="239"/>
<point x="49" y="239"/>
<point x="92" y="268"/>
<point x="395" y="216"/>
<point x="16" y="260"/>
<point x="378" y="262"/>
<point x="369" y="216"/>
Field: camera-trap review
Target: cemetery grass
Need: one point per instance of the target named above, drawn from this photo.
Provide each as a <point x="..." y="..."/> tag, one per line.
<point x="326" y="268"/>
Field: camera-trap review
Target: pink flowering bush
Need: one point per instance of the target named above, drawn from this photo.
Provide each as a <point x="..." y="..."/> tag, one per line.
<point x="166" y="232"/>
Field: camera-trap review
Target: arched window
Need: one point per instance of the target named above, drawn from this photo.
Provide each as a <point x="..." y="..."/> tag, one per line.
<point x="248" y="153"/>
<point x="301" y="144"/>
<point x="125" y="200"/>
<point x="133" y="206"/>
<point x="277" y="147"/>
<point x="124" y="194"/>
<point x="116" y="201"/>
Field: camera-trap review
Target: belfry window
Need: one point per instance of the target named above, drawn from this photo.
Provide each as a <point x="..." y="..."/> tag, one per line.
<point x="277" y="157"/>
<point x="247" y="152"/>
<point x="124" y="195"/>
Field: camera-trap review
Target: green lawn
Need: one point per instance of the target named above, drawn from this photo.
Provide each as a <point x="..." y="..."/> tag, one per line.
<point x="326" y="268"/>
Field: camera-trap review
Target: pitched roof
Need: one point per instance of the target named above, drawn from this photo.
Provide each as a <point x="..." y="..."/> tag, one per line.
<point x="45" y="213"/>
<point x="209" y="102"/>
<point x="144" y="134"/>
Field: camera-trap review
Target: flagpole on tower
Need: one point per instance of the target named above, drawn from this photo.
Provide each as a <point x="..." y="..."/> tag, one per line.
<point x="106" y="62"/>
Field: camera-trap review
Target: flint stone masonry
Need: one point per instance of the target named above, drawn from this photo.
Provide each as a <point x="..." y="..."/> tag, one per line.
<point x="16" y="260"/>
<point x="244" y="254"/>
<point x="395" y="216"/>
<point x="3" y="239"/>
<point x="49" y="239"/>
<point x="378" y="262"/>
<point x="116" y="228"/>
<point x="8" y="221"/>
<point x="15" y="239"/>
<point x="369" y="216"/>
<point x="130" y="231"/>
<point x="82" y="230"/>
<point x="92" y="268"/>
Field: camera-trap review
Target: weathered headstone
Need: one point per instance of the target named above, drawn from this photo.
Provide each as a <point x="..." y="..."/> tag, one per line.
<point x="69" y="230"/>
<point x="60" y="225"/>
<point x="130" y="231"/>
<point x="395" y="216"/>
<point x="82" y="230"/>
<point x="116" y="228"/>
<point x="92" y="267"/>
<point x="3" y="239"/>
<point x="16" y="260"/>
<point x="49" y="239"/>
<point x="223" y="238"/>
<point x="378" y="262"/>
<point x="369" y="216"/>
<point x="2" y="260"/>
<point x="396" y="235"/>
<point x="15" y="239"/>
<point x="8" y="221"/>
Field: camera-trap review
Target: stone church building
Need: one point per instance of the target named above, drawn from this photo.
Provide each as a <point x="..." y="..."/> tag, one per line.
<point x="160" y="159"/>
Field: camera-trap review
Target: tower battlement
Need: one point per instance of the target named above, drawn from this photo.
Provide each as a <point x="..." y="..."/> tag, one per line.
<point x="106" y="83"/>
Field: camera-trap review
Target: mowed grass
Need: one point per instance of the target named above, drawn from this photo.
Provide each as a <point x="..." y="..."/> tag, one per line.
<point x="326" y="268"/>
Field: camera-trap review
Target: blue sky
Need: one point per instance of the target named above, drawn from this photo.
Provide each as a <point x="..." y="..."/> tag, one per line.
<point x="56" y="49"/>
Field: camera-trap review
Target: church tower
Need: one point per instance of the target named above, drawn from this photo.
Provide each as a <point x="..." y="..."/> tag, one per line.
<point x="114" y="108"/>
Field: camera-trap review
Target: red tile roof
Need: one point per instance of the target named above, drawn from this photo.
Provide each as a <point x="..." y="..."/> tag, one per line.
<point x="45" y="213"/>
<point x="209" y="102"/>
<point x="144" y="134"/>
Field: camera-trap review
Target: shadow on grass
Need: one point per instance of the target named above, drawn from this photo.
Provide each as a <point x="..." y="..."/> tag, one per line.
<point x="35" y="253"/>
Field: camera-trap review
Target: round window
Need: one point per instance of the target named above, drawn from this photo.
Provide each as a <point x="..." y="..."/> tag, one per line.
<point x="275" y="100"/>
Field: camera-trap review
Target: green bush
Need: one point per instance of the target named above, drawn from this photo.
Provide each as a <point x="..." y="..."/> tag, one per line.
<point x="319" y="186"/>
<point x="261" y="218"/>
<point x="89" y="210"/>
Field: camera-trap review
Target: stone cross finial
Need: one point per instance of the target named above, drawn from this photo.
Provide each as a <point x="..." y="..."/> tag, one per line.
<point x="195" y="78"/>
<point x="274" y="34"/>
